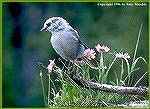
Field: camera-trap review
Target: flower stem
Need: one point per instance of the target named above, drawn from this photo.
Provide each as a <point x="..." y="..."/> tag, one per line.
<point x="43" y="90"/>
<point x="122" y="70"/>
<point x="102" y="66"/>
<point x="99" y="70"/>
<point x="53" y="84"/>
<point x="88" y="73"/>
<point x="109" y="67"/>
<point x="48" y="102"/>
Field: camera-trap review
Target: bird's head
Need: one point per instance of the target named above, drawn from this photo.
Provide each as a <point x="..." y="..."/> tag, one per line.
<point x="54" y="23"/>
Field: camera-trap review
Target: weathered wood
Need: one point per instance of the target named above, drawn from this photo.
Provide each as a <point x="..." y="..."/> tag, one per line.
<point x="110" y="88"/>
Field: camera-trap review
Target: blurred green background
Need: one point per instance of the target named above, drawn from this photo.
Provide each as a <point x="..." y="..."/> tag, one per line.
<point x="23" y="45"/>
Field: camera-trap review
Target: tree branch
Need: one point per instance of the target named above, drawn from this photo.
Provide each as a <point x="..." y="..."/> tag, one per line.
<point x="109" y="88"/>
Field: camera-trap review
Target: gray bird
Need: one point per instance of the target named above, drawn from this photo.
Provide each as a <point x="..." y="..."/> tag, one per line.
<point x="65" y="40"/>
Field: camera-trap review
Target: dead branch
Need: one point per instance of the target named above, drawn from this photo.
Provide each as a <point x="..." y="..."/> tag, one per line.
<point x="110" y="88"/>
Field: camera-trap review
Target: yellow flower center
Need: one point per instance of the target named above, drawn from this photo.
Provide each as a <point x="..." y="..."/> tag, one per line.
<point x="89" y="56"/>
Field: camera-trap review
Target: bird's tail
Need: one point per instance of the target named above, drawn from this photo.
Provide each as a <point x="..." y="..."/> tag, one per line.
<point x="93" y="63"/>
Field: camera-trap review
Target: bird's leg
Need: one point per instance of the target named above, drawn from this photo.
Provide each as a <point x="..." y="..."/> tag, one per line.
<point x="64" y="65"/>
<point x="73" y="69"/>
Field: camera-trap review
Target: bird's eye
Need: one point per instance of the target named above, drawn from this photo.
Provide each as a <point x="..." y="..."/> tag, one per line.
<point x="48" y="24"/>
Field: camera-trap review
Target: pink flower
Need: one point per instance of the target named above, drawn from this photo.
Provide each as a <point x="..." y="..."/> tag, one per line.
<point x="122" y="56"/>
<point x="102" y="48"/>
<point x="51" y="65"/>
<point x="89" y="53"/>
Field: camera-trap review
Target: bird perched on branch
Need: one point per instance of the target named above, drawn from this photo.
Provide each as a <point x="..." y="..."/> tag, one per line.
<point x="66" y="41"/>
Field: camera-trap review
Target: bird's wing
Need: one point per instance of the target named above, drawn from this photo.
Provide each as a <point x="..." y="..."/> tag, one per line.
<point x="75" y="33"/>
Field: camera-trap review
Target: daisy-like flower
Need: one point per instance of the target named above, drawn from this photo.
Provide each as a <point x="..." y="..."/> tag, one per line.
<point x="51" y="65"/>
<point x="102" y="48"/>
<point x="122" y="55"/>
<point x="89" y="53"/>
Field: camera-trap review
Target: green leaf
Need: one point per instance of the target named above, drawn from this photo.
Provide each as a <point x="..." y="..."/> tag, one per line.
<point x="75" y="99"/>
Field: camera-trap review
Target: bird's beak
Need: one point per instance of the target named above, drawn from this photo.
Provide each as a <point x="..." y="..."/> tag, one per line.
<point x="44" y="28"/>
